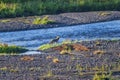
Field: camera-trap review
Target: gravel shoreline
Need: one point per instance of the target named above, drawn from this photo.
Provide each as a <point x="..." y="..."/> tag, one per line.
<point x="82" y="65"/>
<point x="61" y="20"/>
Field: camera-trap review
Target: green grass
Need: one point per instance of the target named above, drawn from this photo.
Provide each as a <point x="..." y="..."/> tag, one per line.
<point x="11" y="49"/>
<point x="4" y="21"/>
<point x="15" y="8"/>
<point x="102" y="77"/>
<point x="43" y="20"/>
<point x="48" y="46"/>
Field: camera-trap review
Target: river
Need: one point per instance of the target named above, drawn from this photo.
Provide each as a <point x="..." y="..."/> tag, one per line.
<point x="32" y="39"/>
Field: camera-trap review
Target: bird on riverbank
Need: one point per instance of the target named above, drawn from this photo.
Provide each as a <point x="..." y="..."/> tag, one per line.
<point x="54" y="40"/>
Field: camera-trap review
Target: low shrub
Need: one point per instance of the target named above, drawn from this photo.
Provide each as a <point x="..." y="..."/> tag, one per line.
<point x="65" y="52"/>
<point x="55" y="60"/>
<point x="99" y="52"/>
<point x="79" y="47"/>
<point x="4" y="21"/>
<point x="27" y="58"/>
<point x="102" y="77"/>
<point x="11" y="49"/>
<point x="64" y="47"/>
<point x="47" y="46"/>
<point x="43" y="20"/>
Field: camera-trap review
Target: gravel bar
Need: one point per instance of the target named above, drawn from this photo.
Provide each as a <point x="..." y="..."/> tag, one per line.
<point x="61" y="20"/>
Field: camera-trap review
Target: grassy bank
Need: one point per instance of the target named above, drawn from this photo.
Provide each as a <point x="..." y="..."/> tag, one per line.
<point x="6" y="49"/>
<point x="15" y="8"/>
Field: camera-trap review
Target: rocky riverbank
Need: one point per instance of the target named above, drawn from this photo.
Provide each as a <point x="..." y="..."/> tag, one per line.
<point x="103" y="57"/>
<point x="60" y="20"/>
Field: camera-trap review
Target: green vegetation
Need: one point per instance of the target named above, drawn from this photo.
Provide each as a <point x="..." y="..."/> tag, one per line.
<point x="44" y="20"/>
<point x="66" y="48"/>
<point x="15" y="8"/>
<point x="48" y="46"/>
<point x="102" y="77"/>
<point x="4" y="21"/>
<point x="4" y="49"/>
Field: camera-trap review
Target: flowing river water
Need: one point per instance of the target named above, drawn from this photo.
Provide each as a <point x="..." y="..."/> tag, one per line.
<point x="32" y="39"/>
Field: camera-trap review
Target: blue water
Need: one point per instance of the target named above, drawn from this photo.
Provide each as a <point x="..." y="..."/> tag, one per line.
<point x="32" y="39"/>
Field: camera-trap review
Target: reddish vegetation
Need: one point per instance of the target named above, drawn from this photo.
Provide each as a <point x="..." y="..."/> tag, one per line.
<point x="98" y="52"/>
<point x="76" y="47"/>
<point x="56" y="60"/>
<point x="59" y="48"/>
<point x="79" y="47"/>
<point x="27" y="58"/>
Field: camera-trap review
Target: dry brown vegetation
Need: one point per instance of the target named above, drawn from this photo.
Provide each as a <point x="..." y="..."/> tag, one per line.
<point x="76" y="47"/>
<point x="27" y="58"/>
<point x="99" y="52"/>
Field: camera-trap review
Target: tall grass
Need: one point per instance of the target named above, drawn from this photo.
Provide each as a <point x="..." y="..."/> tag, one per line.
<point x="15" y="8"/>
